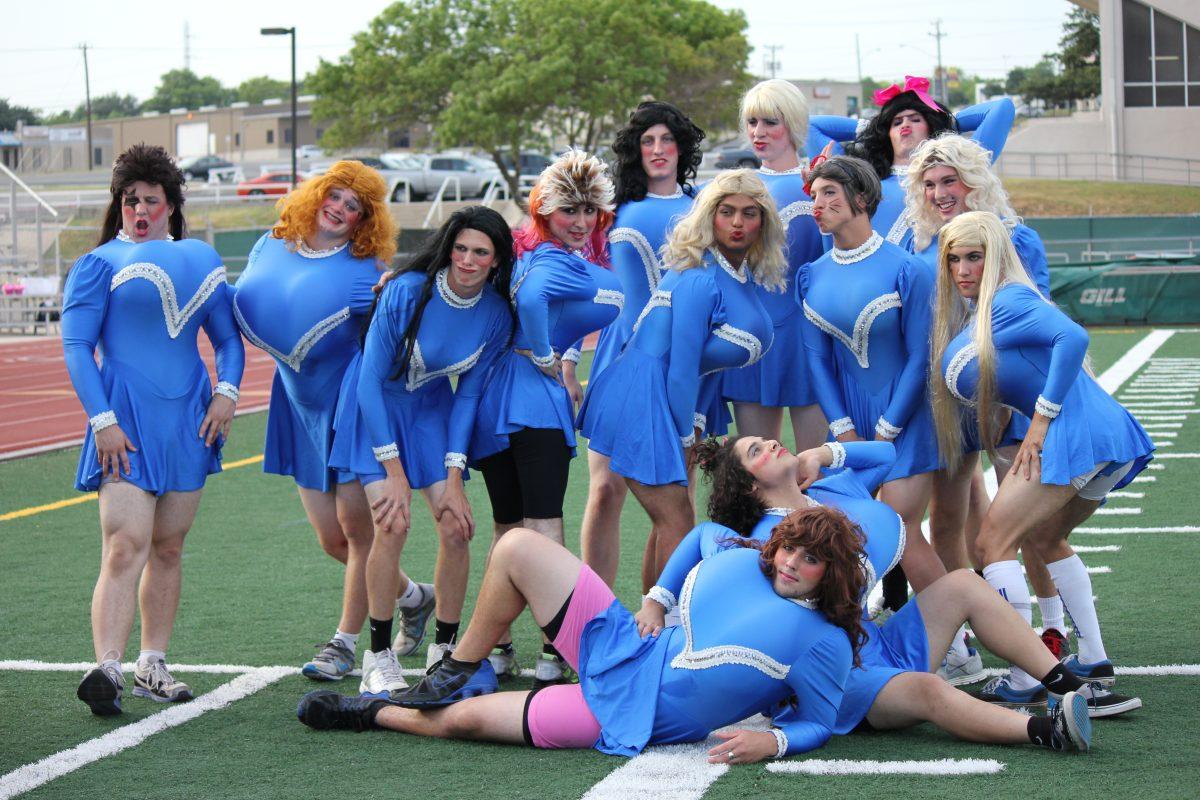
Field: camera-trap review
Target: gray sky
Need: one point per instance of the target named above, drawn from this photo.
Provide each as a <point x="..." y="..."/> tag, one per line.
<point x="41" y="65"/>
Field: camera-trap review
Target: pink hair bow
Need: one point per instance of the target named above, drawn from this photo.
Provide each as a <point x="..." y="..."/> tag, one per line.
<point x="918" y="86"/>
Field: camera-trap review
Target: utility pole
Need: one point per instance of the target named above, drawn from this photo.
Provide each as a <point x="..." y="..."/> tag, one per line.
<point x="187" y="46"/>
<point x="772" y="64"/>
<point x="940" y="80"/>
<point x="87" y="94"/>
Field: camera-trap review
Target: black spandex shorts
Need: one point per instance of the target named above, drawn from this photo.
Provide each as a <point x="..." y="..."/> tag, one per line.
<point x="529" y="479"/>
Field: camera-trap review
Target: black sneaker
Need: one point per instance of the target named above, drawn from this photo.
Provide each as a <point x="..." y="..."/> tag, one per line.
<point x="448" y="682"/>
<point x="323" y="710"/>
<point x="1103" y="703"/>
<point x="101" y="689"/>
<point x="1072" y="727"/>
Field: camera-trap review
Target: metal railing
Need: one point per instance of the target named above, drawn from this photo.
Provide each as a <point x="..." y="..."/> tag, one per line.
<point x="436" y="208"/>
<point x="1062" y="251"/>
<point x="1100" y="167"/>
<point x="496" y="190"/>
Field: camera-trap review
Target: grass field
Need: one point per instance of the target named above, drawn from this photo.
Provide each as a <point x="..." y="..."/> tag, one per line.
<point x="259" y="593"/>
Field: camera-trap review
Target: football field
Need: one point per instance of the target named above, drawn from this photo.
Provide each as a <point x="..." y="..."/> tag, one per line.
<point x="259" y="595"/>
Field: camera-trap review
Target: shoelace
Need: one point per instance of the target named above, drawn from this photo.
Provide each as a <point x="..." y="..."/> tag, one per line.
<point x="330" y="651"/>
<point x="158" y="676"/>
<point x="389" y="668"/>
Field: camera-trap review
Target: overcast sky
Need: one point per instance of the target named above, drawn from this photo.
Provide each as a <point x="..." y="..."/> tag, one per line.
<point x="41" y="65"/>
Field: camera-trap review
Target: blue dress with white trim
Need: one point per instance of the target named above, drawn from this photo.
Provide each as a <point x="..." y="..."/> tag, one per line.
<point x="417" y="417"/>
<point x="867" y="319"/>
<point x="780" y="378"/>
<point x="989" y="123"/>
<point x="559" y="298"/>
<point x="1039" y="368"/>
<point x="642" y="410"/>
<point x="726" y="661"/>
<point x="144" y="305"/>
<point x="634" y="244"/>
<point x="306" y="310"/>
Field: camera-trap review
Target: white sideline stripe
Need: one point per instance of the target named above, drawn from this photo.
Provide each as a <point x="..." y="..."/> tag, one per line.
<point x="1116" y="531"/>
<point x="1161" y="671"/>
<point x="1100" y="548"/>
<point x="84" y="666"/>
<point x="942" y="766"/>
<point x="1090" y="570"/>
<point x="1156" y="426"/>
<point x="673" y="772"/>
<point x="1164" y="434"/>
<point x="31" y="776"/>
<point x="1124" y="512"/>
<point x="1156" y="466"/>
<point x="1132" y="361"/>
<point x="1175" y="404"/>
<point x="1163" y="444"/>
<point x="1134" y="495"/>
<point x="1144" y="479"/>
<point x="1171" y="455"/>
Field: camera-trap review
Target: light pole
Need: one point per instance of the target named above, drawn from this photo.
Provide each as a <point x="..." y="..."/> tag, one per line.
<point x="289" y="32"/>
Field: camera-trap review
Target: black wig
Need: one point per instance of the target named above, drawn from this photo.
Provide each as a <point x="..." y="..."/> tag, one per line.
<point x="630" y="175"/>
<point x="873" y="144"/>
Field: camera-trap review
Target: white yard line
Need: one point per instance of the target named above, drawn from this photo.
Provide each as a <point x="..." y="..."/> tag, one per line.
<point x="674" y="772"/>
<point x="1120" y="531"/>
<point x="1118" y="512"/>
<point x="942" y="766"/>
<point x="1132" y="361"/>
<point x="30" y="776"/>
<point x="1144" y="479"/>
<point x="1100" y="548"/>
<point x="1172" y="455"/>
<point x="1133" y="495"/>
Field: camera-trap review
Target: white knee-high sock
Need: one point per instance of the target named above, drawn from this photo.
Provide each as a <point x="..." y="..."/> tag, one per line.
<point x="1052" y="613"/>
<point x="1007" y="578"/>
<point x="1075" y="588"/>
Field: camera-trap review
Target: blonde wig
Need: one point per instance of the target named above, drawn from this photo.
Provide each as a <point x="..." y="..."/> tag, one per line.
<point x="781" y="100"/>
<point x="375" y="234"/>
<point x="694" y="233"/>
<point x="952" y="314"/>
<point x="574" y="179"/>
<point x="974" y="167"/>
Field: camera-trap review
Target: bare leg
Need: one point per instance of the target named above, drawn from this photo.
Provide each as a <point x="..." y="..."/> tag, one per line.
<point x="949" y="504"/>
<point x="158" y="595"/>
<point x="1036" y="572"/>
<point x="552" y="529"/>
<point x="321" y="510"/>
<point x="126" y="525"/>
<point x="498" y="530"/>
<point x="354" y="518"/>
<point x="1018" y="508"/>
<point x="671" y="518"/>
<point x="600" y="535"/>
<point x="753" y="419"/>
<point x="909" y="497"/>
<point x="453" y="566"/>
<point x="384" y="579"/>
<point x="809" y="426"/>
<point x="495" y="717"/>
<point x="915" y="697"/>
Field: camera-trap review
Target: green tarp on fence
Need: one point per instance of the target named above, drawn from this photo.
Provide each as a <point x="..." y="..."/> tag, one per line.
<point x="1153" y="291"/>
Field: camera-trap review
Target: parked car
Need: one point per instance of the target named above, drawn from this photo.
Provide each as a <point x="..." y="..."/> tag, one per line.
<point x="307" y="152"/>
<point x="269" y="183"/>
<point x="199" y="166"/>
<point x="530" y="163"/>
<point x="474" y="175"/>
<point x="734" y="156"/>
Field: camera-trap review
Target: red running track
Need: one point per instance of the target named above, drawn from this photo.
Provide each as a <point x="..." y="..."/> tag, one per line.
<point x="38" y="407"/>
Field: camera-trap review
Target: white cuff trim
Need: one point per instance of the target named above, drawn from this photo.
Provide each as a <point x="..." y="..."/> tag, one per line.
<point x="689" y="440"/>
<point x="386" y="453"/>
<point x="102" y="420"/>
<point x="662" y="596"/>
<point x="543" y="361"/>
<point x="699" y="421"/>
<point x="456" y="460"/>
<point x="781" y="742"/>
<point x="1046" y="408"/>
<point x="227" y="389"/>
<point x="839" y="454"/>
<point x="840" y="426"/>
<point x="572" y="354"/>
<point x="886" y="430"/>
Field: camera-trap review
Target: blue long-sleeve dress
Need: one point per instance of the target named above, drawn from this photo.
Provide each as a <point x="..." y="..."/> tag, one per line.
<point x="780" y="378"/>
<point x="306" y="310"/>
<point x="726" y="661"/>
<point x="867" y="319"/>
<point x="989" y="123"/>
<point x="642" y="410"/>
<point x="559" y="298"/>
<point x="144" y="305"/>
<point x="1039" y="368"/>
<point x="634" y="244"/>
<point x="417" y="417"/>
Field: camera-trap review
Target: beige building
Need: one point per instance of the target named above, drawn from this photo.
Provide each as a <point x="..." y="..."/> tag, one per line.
<point x="840" y="98"/>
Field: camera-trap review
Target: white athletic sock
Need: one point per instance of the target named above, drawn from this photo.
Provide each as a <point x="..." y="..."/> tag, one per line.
<point x="150" y="656"/>
<point x="348" y="640"/>
<point x="413" y="595"/>
<point x="1007" y="579"/>
<point x="958" y="645"/>
<point x="1075" y="588"/>
<point x="1052" y="613"/>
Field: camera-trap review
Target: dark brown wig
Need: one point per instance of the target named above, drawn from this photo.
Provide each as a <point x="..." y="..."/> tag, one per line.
<point x="152" y="164"/>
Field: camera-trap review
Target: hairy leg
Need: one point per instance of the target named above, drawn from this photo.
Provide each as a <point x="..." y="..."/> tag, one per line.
<point x="600" y="535"/>
<point x="453" y="566"/>
<point x="909" y="497"/>
<point x="126" y="525"/>
<point x="158" y="595"/>
<point x="949" y="507"/>
<point x="384" y="579"/>
<point x="809" y="426"/>
<point x="671" y="518"/>
<point x="321" y="510"/>
<point x="915" y="697"/>
<point x="753" y="419"/>
<point x="354" y="518"/>
<point x="495" y="717"/>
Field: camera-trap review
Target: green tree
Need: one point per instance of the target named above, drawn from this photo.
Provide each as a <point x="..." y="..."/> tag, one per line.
<point x="1079" y="55"/>
<point x="10" y="115"/>
<point x="106" y="106"/>
<point x="255" y="90"/>
<point x="513" y="74"/>
<point x="182" y="88"/>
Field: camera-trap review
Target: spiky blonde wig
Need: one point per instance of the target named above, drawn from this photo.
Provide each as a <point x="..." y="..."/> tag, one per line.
<point x="781" y="100"/>
<point x="574" y="179"/>
<point x="375" y="236"/>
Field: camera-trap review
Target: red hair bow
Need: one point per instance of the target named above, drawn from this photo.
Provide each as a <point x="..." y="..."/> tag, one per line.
<point x="918" y="86"/>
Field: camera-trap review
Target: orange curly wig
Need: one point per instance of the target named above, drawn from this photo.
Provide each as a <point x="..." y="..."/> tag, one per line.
<point x="375" y="236"/>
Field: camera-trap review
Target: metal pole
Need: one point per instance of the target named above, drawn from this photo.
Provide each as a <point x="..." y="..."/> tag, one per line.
<point x="37" y="222"/>
<point x="87" y="91"/>
<point x="294" y="131"/>
<point x="12" y="217"/>
<point x="940" y="88"/>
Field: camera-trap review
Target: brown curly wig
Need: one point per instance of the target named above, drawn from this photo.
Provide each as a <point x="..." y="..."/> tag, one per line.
<point x="152" y="164"/>
<point x="733" y="501"/>
<point x="828" y="535"/>
<point x="375" y="236"/>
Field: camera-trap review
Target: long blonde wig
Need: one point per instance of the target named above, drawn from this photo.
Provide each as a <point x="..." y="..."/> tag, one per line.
<point x="974" y="167"/>
<point x="375" y="234"/>
<point x="952" y="314"/>
<point x="782" y="100"/>
<point x="694" y="233"/>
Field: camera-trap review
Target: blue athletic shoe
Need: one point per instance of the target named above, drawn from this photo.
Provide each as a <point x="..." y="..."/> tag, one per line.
<point x="1101" y="672"/>
<point x="999" y="691"/>
<point x="1072" y="724"/>
<point x="448" y="682"/>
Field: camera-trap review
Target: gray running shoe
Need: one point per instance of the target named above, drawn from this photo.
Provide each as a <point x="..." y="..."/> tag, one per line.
<point x="505" y="664"/>
<point x="552" y="671"/>
<point x="436" y="653"/>
<point x="331" y="663"/>
<point x="413" y="622"/>
<point x="101" y="689"/>
<point x="959" y="671"/>
<point x="154" y="682"/>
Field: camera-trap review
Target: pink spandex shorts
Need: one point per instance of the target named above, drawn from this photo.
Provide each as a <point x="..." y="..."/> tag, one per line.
<point x="558" y="717"/>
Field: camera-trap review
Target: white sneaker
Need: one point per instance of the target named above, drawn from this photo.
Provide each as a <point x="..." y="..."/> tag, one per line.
<point x="154" y="681"/>
<point x="959" y="671"/>
<point x="381" y="674"/>
<point x="504" y="663"/>
<point x="435" y="653"/>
